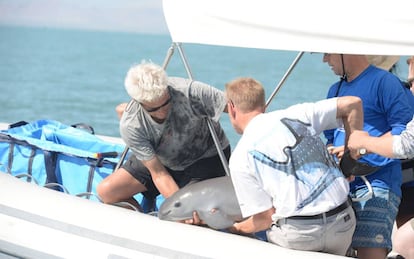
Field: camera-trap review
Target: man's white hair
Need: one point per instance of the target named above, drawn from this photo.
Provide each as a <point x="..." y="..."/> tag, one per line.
<point x="146" y="82"/>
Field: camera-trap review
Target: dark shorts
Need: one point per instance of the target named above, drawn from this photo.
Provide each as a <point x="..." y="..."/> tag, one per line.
<point x="203" y="169"/>
<point x="407" y="201"/>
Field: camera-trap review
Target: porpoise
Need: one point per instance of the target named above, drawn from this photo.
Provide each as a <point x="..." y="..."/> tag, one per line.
<point x="213" y="199"/>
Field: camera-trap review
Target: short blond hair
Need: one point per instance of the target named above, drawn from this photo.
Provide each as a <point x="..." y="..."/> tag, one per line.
<point x="146" y="82"/>
<point x="246" y="93"/>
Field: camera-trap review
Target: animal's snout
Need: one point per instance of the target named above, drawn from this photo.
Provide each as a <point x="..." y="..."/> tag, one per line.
<point x="164" y="214"/>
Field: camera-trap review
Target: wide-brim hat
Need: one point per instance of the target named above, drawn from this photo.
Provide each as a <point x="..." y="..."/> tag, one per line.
<point x="384" y="62"/>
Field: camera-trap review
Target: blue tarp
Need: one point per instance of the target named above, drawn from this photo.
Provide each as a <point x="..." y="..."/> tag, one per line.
<point x="47" y="151"/>
<point x="50" y="151"/>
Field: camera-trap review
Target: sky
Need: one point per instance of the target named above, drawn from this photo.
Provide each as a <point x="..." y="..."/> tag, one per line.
<point x="142" y="16"/>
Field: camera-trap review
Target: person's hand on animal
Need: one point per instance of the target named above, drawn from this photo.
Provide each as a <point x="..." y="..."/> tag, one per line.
<point x="351" y="178"/>
<point x="337" y="151"/>
<point x="194" y="221"/>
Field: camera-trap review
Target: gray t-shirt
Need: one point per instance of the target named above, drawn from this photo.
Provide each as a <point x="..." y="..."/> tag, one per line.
<point x="184" y="137"/>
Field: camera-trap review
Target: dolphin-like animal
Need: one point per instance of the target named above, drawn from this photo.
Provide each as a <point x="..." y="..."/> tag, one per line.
<point x="213" y="199"/>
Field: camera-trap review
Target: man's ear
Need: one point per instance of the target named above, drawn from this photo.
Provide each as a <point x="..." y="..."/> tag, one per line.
<point x="230" y="110"/>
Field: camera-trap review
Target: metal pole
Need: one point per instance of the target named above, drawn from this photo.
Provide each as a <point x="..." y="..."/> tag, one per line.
<point x="209" y="123"/>
<point x="285" y="76"/>
<point x="167" y="59"/>
<point x="122" y="158"/>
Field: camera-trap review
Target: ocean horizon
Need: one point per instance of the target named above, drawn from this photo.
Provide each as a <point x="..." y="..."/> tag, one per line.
<point x="76" y="76"/>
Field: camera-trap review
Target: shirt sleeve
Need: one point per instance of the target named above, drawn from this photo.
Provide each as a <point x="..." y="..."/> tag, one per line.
<point x="133" y="133"/>
<point x="403" y="145"/>
<point x="321" y="115"/>
<point x="250" y="194"/>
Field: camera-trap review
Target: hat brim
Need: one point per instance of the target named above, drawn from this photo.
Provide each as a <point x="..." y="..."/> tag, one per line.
<point x="384" y="62"/>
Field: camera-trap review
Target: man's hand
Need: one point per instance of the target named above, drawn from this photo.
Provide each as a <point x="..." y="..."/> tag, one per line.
<point x="355" y="143"/>
<point x="337" y="151"/>
<point x="194" y="221"/>
<point x="351" y="178"/>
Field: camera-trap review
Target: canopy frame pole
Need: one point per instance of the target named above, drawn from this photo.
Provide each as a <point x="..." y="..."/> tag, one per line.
<point x="170" y="53"/>
<point x="285" y="76"/>
<point x="209" y="123"/>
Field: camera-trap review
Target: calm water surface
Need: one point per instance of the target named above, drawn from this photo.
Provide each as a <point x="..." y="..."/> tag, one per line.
<point x="77" y="76"/>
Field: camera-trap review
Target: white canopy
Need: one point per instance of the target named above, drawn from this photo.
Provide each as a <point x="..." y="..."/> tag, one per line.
<point x="354" y="26"/>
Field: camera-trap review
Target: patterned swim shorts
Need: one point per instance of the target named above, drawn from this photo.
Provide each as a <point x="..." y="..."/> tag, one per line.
<point x="375" y="218"/>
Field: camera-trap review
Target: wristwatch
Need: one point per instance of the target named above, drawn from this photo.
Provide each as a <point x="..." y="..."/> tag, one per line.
<point x="362" y="151"/>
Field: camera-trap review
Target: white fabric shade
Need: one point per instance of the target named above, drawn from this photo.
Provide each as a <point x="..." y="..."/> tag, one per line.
<point x="355" y="27"/>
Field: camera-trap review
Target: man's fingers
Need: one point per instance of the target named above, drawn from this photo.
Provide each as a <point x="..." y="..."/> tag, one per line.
<point x="189" y="221"/>
<point x="196" y="218"/>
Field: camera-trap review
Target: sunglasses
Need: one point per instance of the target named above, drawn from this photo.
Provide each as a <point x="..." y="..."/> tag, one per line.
<point x="159" y="107"/>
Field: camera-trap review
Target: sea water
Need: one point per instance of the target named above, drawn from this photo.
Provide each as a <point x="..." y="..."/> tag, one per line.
<point x="75" y="76"/>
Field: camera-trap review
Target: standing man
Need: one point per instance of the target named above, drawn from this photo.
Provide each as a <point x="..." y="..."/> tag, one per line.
<point x="165" y="125"/>
<point x="285" y="180"/>
<point x="386" y="108"/>
<point x="402" y="147"/>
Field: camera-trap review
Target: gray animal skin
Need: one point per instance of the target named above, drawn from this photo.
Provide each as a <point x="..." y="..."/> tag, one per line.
<point x="214" y="200"/>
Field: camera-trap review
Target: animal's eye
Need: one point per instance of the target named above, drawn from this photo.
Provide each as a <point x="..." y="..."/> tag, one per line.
<point x="177" y="204"/>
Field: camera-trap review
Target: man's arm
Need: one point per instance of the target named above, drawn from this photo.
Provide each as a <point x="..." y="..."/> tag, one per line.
<point x="349" y="108"/>
<point x="255" y="223"/>
<point x="380" y="145"/>
<point x="166" y="184"/>
<point x="161" y="177"/>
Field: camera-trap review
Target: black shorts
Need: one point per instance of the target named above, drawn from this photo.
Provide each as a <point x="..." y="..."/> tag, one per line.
<point x="203" y="169"/>
<point x="407" y="201"/>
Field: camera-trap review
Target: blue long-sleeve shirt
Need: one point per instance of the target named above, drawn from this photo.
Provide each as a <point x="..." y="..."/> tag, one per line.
<point x="386" y="108"/>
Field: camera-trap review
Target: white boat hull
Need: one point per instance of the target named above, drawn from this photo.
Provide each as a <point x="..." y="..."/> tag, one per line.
<point x="37" y="222"/>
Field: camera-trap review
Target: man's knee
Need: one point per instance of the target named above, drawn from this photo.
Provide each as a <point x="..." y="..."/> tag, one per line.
<point x="103" y="190"/>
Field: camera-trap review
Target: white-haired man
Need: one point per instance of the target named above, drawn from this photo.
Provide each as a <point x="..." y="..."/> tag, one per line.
<point x="165" y="125"/>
